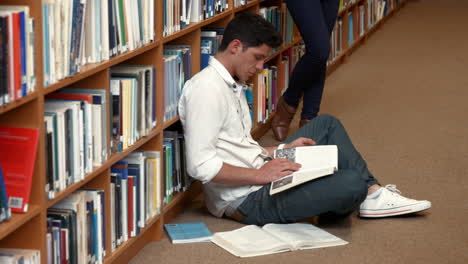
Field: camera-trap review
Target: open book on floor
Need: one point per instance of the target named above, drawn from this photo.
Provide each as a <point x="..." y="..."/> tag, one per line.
<point x="252" y="240"/>
<point x="316" y="161"/>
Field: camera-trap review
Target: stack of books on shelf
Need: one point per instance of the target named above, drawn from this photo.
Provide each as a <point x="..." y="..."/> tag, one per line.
<point x="266" y="92"/>
<point x="80" y="32"/>
<point x="76" y="137"/>
<point x="177" y="69"/>
<point x="135" y="194"/>
<point x="210" y="40"/>
<point x="17" y="70"/>
<point x="179" y="14"/>
<point x="176" y="178"/>
<point x="376" y="10"/>
<point x="19" y="256"/>
<point x="76" y="228"/>
<point x="336" y="41"/>
<point x="239" y="3"/>
<point x="288" y="26"/>
<point x="133" y="107"/>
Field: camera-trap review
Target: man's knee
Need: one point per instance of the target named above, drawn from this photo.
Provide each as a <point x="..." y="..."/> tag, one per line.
<point x="352" y="187"/>
<point x="326" y="119"/>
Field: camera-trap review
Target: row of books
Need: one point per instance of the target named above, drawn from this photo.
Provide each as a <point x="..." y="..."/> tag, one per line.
<point x="76" y="135"/>
<point x="268" y="83"/>
<point x="356" y="24"/>
<point x="180" y="13"/>
<point x="78" y="32"/>
<point x="266" y="92"/>
<point x="17" y="77"/>
<point x="20" y="256"/>
<point x="376" y="10"/>
<point x="345" y="3"/>
<point x="210" y="40"/>
<point x="239" y="3"/>
<point x="177" y="70"/>
<point x="176" y="178"/>
<point x="5" y="210"/>
<point x="18" y="149"/>
<point x="135" y="186"/>
<point x="280" y="18"/>
<point x="76" y="230"/>
<point x="133" y="104"/>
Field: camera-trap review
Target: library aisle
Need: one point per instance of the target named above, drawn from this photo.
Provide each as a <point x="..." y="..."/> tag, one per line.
<point x="402" y="97"/>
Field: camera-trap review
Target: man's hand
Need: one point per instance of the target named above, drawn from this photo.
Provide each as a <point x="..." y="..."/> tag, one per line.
<point x="276" y="169"/>
<point x="301" y="142"/>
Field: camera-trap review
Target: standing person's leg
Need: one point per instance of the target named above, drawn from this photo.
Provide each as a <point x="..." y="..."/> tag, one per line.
<point x="309" y="72"/>
<point x="330" y="12"/>
<point x="313" y="94"/>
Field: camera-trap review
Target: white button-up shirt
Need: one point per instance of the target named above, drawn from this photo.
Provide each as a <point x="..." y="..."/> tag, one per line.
<point x="216" y="121"/>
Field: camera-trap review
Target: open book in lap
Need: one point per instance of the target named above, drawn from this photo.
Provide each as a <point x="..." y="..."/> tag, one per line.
<point x="252" y="240"/>
<point x="316" y="161"/>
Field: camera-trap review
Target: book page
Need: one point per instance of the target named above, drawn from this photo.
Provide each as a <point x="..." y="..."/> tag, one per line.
<point x="249" y="241"/>
<point x="316" y="161"/>
<point x="311" y="157"/>
<point x="303" y="235"/>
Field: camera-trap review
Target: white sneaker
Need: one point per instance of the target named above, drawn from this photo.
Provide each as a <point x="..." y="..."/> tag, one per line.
<point x="390" y="203"/>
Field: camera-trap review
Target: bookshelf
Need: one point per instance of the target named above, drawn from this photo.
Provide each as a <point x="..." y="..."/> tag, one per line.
<point x="29" y="230"/>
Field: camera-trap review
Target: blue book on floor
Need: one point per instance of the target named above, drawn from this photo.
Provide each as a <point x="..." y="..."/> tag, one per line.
<point x="188" y="232"/>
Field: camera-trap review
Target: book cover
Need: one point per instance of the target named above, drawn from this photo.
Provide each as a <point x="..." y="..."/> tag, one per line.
<point x="18" y="156"/>
<point x="188" y="232"/>
<point x="316" y="161"/>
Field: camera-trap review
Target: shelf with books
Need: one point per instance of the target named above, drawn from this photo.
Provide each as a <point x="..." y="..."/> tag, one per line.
<point x="105" y="166"/>
<point x="18" y="103"/>
<point x="28" y="111"/>
<point x="350" y="6"/>
<point x="91" y="69"/>
<point x="152" y="232"/>
<point x="248" y="5"/>
<point x="197" y="25"/>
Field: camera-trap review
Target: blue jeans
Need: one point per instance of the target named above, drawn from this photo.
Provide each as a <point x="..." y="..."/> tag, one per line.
<point x="315" y="20"/>
<point x="339" y="193"/>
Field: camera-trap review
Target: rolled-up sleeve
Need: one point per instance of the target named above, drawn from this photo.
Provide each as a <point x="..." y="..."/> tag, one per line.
<point x="202" y="113"/>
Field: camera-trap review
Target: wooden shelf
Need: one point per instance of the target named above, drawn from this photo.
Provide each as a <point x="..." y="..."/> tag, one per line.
<point x="17" y="220"/>
<point x="123" y="249"/>
<point x="29" y="111"/>
<point x="17" y="103"/>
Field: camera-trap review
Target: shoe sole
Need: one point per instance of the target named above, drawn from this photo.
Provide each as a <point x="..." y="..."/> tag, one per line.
<point x="409" y="209"/>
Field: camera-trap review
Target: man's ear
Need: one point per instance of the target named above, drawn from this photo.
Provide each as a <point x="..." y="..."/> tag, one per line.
<point x="235" y="46"/>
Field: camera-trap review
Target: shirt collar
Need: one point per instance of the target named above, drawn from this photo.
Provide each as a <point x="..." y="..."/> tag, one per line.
<point x="227" y="77"/>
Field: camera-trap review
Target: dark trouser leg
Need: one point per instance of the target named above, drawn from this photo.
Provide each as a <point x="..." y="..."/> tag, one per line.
<point x="339" y="193"/>
<point x="327" y="130"/>
<point x="315" y="20"/>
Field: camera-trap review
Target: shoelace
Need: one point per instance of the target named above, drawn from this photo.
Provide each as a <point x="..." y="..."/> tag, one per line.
<point x="392" y="188"/>
<point x="396" y="193"/>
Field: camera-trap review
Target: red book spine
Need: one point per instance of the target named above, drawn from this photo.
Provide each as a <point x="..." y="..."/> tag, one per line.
<point x="17" y="55"/>
<point x="69" y="96"/>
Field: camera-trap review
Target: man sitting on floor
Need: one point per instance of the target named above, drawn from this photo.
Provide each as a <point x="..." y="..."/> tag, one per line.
<point x="233" y="167"/>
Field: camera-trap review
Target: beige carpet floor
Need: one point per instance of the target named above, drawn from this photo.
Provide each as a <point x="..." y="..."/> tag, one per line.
<point x="403" y="98"/>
